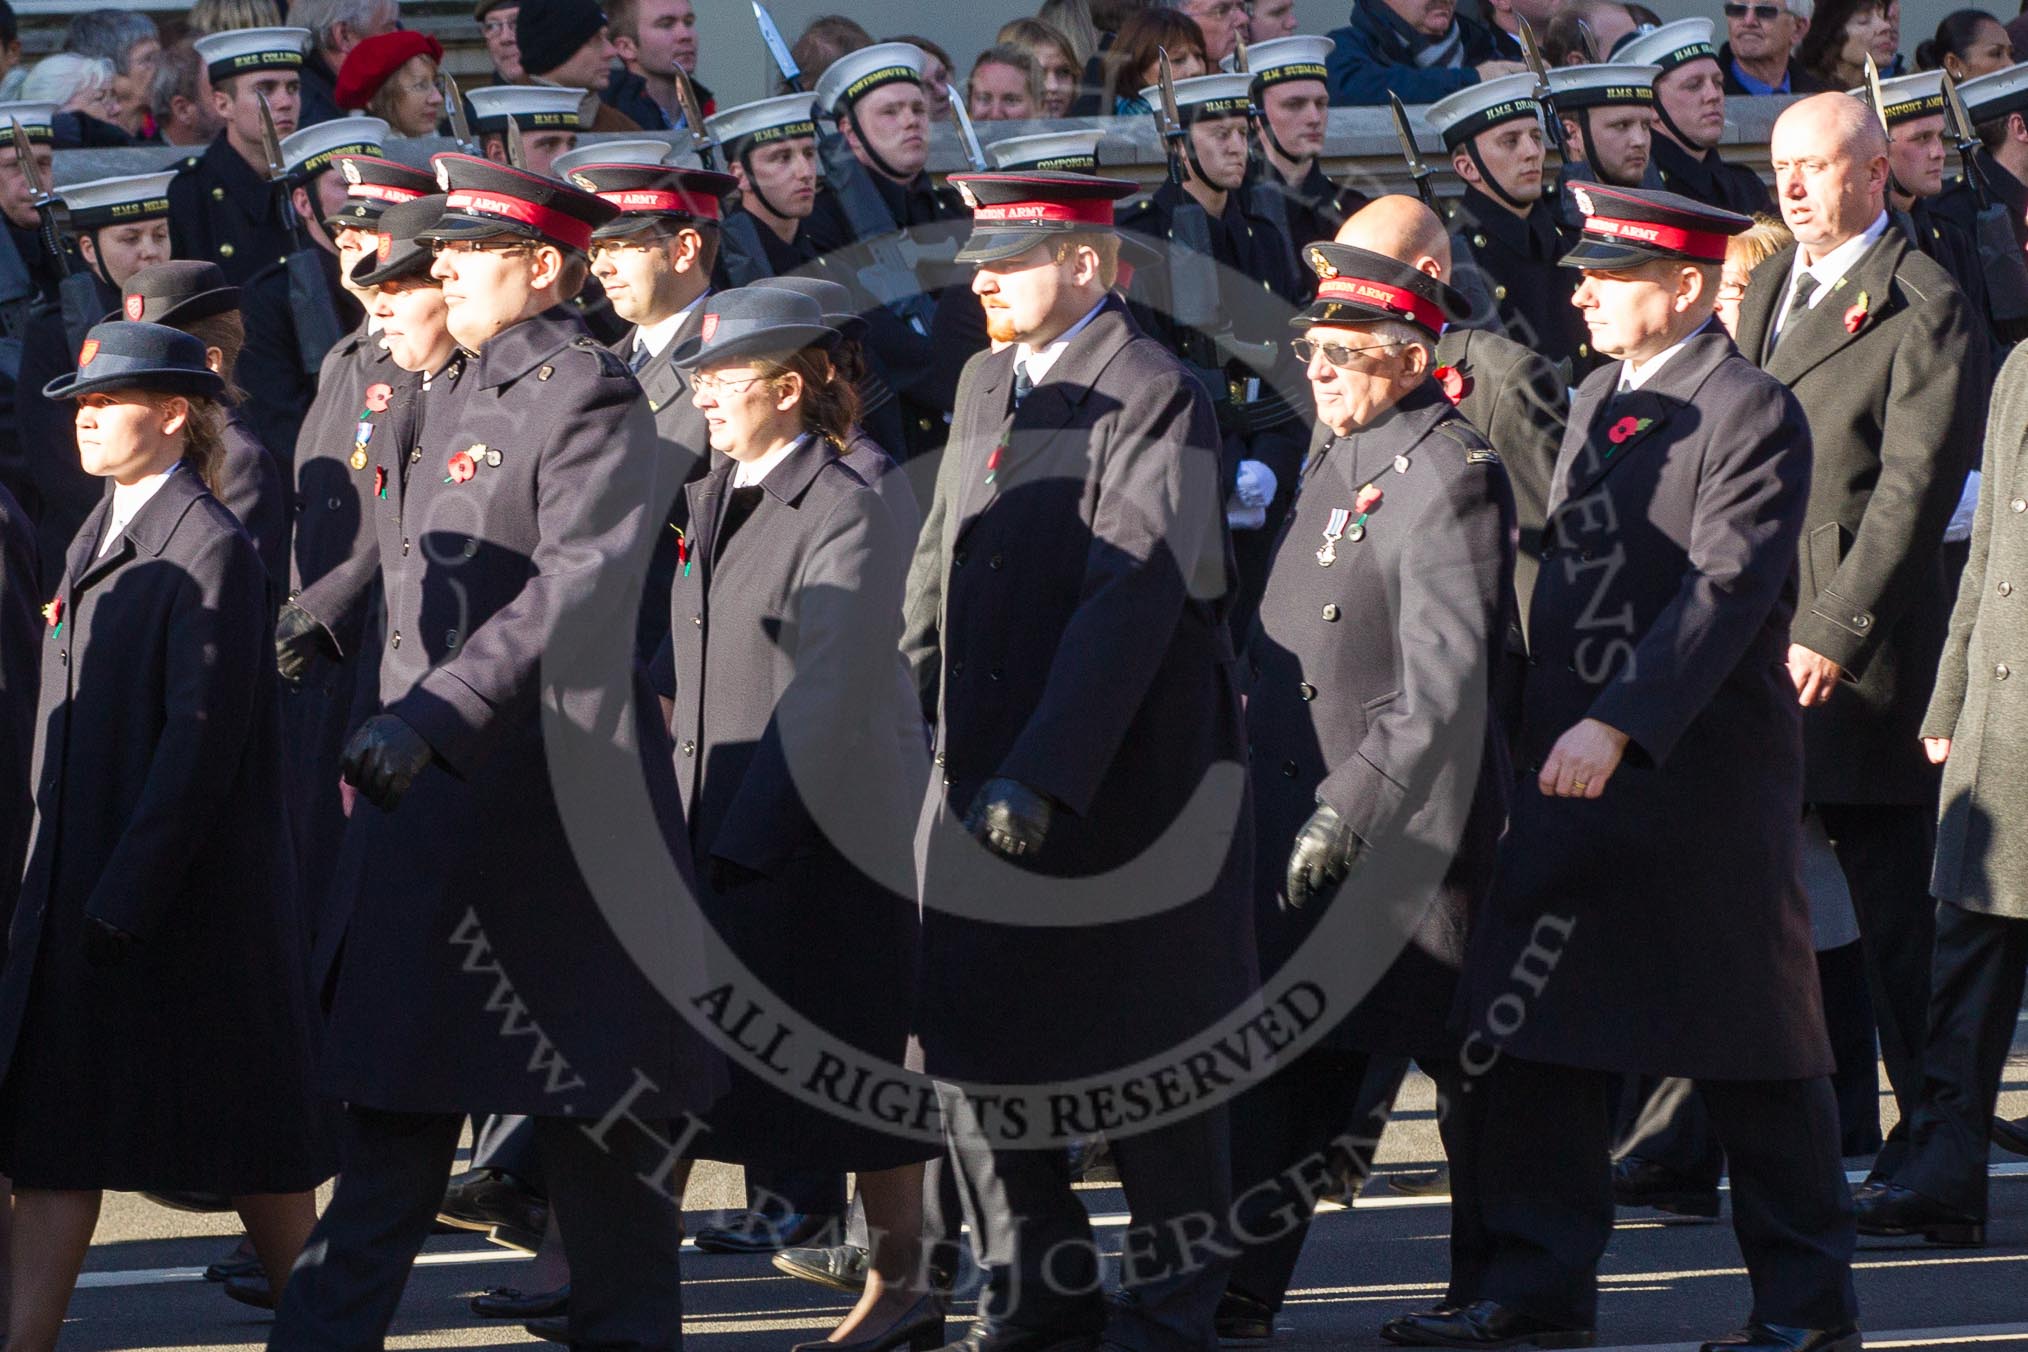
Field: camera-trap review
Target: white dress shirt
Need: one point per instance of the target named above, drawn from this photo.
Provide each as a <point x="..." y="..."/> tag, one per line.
<point x="658" y="335"/>
<point x="1037" y="361"/>
<point x="1633" y="377"/>
<point x="1828" y="270"/>
<point x="747" y="473"/>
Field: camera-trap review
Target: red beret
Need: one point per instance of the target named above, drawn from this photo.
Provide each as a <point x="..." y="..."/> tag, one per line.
<point x="369" y="64"/>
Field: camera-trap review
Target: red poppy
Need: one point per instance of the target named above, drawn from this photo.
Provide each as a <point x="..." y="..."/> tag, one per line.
<point x="1855" y="319"/>
<point x="462" y="467"/>
<point x="377" y="396"/>
<point x="380" y="481"/>
<point x="53" y="612"/>
<point x="1623" y="429"/>
<point x="1454" y="383"/>
<point x="1369" y="498"/>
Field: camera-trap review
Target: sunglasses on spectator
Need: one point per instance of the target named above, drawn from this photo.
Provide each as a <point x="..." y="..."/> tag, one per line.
<point x="1764" y="13"/>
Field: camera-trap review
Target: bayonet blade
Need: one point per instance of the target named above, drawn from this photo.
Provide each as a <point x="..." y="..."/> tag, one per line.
<point x="1958" y="126"/>
<point x="1590" y="41"/>
<point x="973" y="150"/>
<point x="271" y="141"/>
<point x="517" y="151"/>
<point x="1873" y="93"/>
<point x="693" y="120"/>
<point x="1172" y="123"/>
<point x="1239" y="62"/>
<point x="1532" y="52"/>
<point x="454" y="110"/>
<point x="792" y="74"/>
<point x="1417" y="170"/>
<point x="31" y="168"/>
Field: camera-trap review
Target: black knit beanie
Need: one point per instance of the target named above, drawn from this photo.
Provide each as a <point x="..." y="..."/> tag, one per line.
<point x="551" y="31"/>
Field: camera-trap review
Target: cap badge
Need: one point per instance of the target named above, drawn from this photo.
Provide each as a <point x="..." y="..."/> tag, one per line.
<point x="584" y="181"/>
<point x="444" y="176"/>
<point x="135" y="305"/>
<point x="350" y="170"/>
<point x="384" y="248"/>
<point x="709" y="327"/>
<point x="1321" y="265"/>
<point x="1583" y="200"/>
<point x="971" y="198"/>
<point x="87" y="352"/>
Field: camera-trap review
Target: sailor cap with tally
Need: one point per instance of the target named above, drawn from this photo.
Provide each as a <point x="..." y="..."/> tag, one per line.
<point x="752" y="124"/>
<point x="372" y="185"/>
<point x="36" y="119"/>
<point x="1671" y="45"/>
<point x="1012" y="213"/>
<point x="534" y="107"/>
<point x="1463" y="115"/>
<point x="1907" y="97"/>
<point x="1605" y="84"/>
<point x="856" y="74"/>
<point x="401" y="246"/>
<point x="639" y="150"/>
<point x="1996" y="95"/>
<point x="1071" y="151"/>
<point x="649" y="194"/>
<point x="309" y="152"/>
<point x="1282" y="59"/>
<point x="484" y="200"/>
<point x="1358" y="286"/>
<point x="1203" y="96"/>
<point x="117" y="201"/>
<point x="241" y="51"/>
<point x="1625" y="227"/>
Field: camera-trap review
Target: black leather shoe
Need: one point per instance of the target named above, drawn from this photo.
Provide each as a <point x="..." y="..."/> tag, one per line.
<point x="757" y="1232"/>
<point x="1781" y="1338"/>
<point x="919" y="1328"/>
<point x="1639" y="1182"/>
<point x="842" y="1267"/>
<point x="1243" y="1319"/>
<point x="1894" y="1211"/>
<point x="552" y="1330"/>
<point x="251" y="1289"/>
<point x="511" y="1302"/>
<point x="499" y="1205"/>
<point x="980" y="1338"/>
<point x="1429" y="1183"/>
<point x="1483" y="1323"/>
<point x="2011" y="1135"/>
<point x="234" y="1264"/>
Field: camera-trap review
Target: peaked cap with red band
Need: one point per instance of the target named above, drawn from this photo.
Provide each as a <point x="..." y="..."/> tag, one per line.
<point x="484" y="200"/>
<point x="372" y="185"/>
<point x="1625" y="227"/>
<point x="647" y="194"/>
<point x="1013" y="212"/>
<point x="1358" y="286"/>
<point x="402" y="249"/>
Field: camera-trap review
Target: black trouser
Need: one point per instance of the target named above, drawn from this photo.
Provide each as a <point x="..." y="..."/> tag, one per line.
<point x="622" y="1238"/>
<point x="808" y="1192"/>
<point x="1886" y="850"/>
<point x="1530" y="1175"/>
<point x="1980" y="964"/>
<point x="1034" y="1243"/>
<point x="506" y="1142"/>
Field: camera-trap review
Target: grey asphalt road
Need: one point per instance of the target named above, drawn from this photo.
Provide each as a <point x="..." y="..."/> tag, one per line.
<point x="1667" y="1282"/>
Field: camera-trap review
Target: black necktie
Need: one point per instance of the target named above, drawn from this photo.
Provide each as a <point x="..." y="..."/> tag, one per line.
<point x="640" y="358"/>
<point x="1022" y="384"/>
<point x="1799" y="305"/>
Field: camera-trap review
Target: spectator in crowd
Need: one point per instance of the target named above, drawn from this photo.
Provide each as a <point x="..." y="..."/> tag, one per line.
<point x="1743" y="253"/>
<point x="497" y="24"/>
<point x="1005" y="86"/>
<point x="221" y="16"/>
<point x="179" y="101"/>
<point x="936" y="76"/>
<point x="336" y="27"/>
<point x="1269" y="19"/>
<point x="1133" y="62"/>
<point x="1564" y="40"/>
<point x="1072" y="18"/>
<point x="1055" y="56"/>
<point x="10" y="50"/>
<point x="1105" y="18"/>
<point x="1968" y="43"/>
<point x="829" y="37"/>
<point x="1418" y="49"/>
<point x="132" y="44"/>
<point x="655" y="39"/>
<point x="81" y="87"/>
<point x="569" y="44"/>
<point x="1223" y="23"/>
<point x="394" y="78"/>
<point x="1887" y="42"/>
<point x="1757" y="56"/>
<point x="1503" y="19"/>
<point x="1842" y="33"/>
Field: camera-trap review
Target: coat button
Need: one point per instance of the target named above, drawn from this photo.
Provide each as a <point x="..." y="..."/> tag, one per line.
<point x="1331" y="612"/>
<point x="996" y="562"/>
<point x="957" y="558"/>
<point x="1288" y="769"/>
<point x="939" y="758"/>
<point x="2019" y="504"/>
<point x="689" y="748"/>
<point x="958" y="668"/>
<point x="697" y="620"/>
<point x="218" y="194"/>
<point x="225" y="251"/>
<point x="2001" y="671"/>
<point x="1478" y="241"/>
<point x="415" y="456"/>
<point x="404" y="544"/>
<point x="1548" y="554"/>
<point x="997" y="674"/>
<point x="450" y="638"/>
<point x="332" y="503"/>
<point x="1307" y="691"/>
<point x="63" y="656"/>
<point x="395" y="642"/>
<point x="471" y="549"/>
<point x="1499" y="293"/>
<point x="2006" y="589"/>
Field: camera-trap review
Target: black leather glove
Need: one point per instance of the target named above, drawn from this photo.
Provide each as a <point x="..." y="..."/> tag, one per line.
<point x="1011" y="818"/>
<point x="383" y="758"/>
<point x="300" y="639"/>
<point x="1326" y="851"/>
<point x="724" y="874"/>
<point x="106" y="945"/>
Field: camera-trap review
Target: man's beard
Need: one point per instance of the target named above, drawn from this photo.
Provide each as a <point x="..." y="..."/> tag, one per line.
<point x="1000" y="326"/>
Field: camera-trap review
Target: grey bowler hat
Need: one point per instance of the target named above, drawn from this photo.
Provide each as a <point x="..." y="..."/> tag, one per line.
<point x="753" y="321"/>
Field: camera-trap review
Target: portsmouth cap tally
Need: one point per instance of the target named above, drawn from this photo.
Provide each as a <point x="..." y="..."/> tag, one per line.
<point x="1013" y="212"/>
<point x="401" y="248"/>
<point x="117" y="201"/>
<point x="1358" y="286"/>
<point x="741" y="128"/>
<point x="649" y="194"/>
<point x="533" y="107"/>
<point x="37" y="119"/>
<point x="178" y="292"/>
<point x="242" y="51"/>
<point x="372" y="185"/>
<point x="121" y="355"/>
<point x="635" y="150"/>
<point x="1279" y="60"/>
<point x="1986" y="97"/>
<point x="1671" y="45"/>
<point x="1072" y="151"/>
<point x="310" y="152"/>
<point x="1907" y="97"/>
<point x="1461" y="116"/>
<point x="1624" y="227"/>
<point x="1605" y="84"/>
<point x="1203" y="96"/>
<point x="856" y="74"/>
<point x="484" y="199"/>
<point x="753" y="321"/>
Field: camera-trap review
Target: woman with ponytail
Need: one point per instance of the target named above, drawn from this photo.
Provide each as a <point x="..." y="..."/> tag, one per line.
<point x="154" y="1009"/>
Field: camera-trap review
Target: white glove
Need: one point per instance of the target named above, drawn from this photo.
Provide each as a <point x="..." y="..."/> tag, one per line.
<point x="1255" y="485"/>
<point x="1960" y="527"/>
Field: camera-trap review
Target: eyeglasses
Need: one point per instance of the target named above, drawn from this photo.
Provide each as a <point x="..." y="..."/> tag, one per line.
<point x="440" y="247"/>
<point x="642" y="243"/>
<point x="494" y="28"/>
<point x="1731" y="291"/>
<point x="1764" y="13"/>
<point x="712" y="386"/>
<point x="1337" y="354"/>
